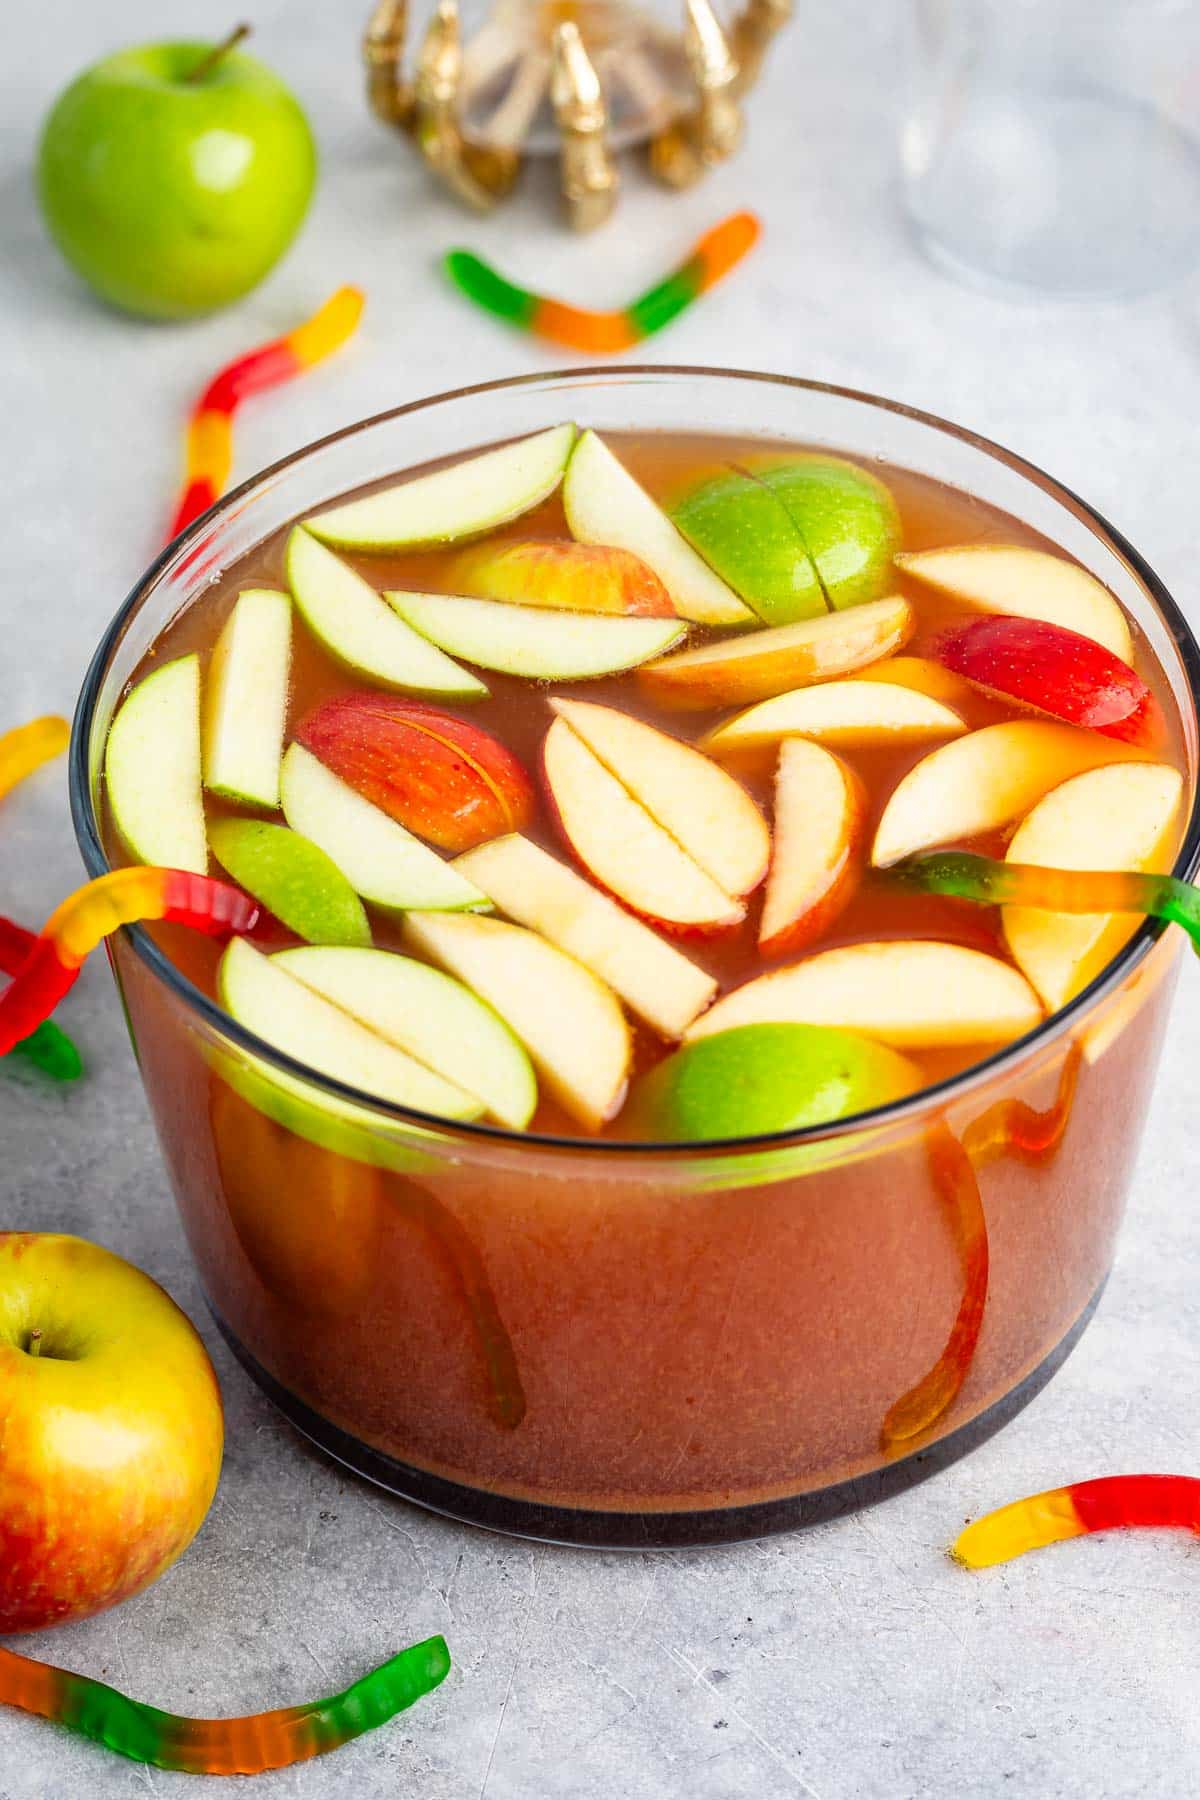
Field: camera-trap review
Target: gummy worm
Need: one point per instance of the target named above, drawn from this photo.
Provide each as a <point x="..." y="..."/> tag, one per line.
<point x="605" y="333"/>
<point x="269" y="1740"/>
<point x="969" y="877"/>
<point x="1014" y="1128"/>
<point x="1067" y="1512"/>
<point x="48" y="1048"/>
<point x="210" y="431"/>
<point x="29" y="746"/>
<point x="51" y="966"/>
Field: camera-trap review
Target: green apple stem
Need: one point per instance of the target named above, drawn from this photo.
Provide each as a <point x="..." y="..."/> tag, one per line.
<point x="209" y="61"/>
<point x="34" y="1346"/>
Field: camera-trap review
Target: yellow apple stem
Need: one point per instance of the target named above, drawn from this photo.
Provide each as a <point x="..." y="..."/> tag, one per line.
<point x="34" y="1346"/>
<point x="211" y="58"/>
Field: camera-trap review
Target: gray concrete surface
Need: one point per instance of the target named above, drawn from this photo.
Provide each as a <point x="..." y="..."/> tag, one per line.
<point x="854" y="1662"/>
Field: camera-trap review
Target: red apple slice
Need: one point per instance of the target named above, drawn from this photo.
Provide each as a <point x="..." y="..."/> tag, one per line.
<point x="605" y="505"/>
<point x="734" y="672"/>
<point x="444" y="778"/>
<point x="983" y="782"/>
<point x="1054" y="671"/>
<point x="654" y="979"/>
<point x="615" y="838"/>
<point x="708" y="813"/>
<point x="1121" y="817"/>
<point x="1012" y="578"/>
<point x="463" y="500"/>
<point x="565" y="576"/>
<point x="840" y="712"/>
<point x="570" y="1023"/>
<point x="911" y="994"/>
<point x="820" y="810"/>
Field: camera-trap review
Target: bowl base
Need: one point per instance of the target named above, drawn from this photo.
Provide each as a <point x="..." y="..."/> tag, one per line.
<point x="676" y="1530"/>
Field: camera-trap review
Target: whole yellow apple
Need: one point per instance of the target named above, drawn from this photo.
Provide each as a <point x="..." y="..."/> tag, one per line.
<point x="110" y="1426"/>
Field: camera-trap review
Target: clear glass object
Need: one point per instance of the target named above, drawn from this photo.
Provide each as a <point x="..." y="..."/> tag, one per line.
<point x="1050" y="144"/>
<point x="619" y="1344"/>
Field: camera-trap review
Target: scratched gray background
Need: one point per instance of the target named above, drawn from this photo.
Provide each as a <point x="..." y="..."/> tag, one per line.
<point x="850" y="1663"/>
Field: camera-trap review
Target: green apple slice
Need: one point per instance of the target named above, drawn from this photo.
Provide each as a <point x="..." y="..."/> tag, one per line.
<point x="294" y="1018"/>
<point x="531" y="641"/>
<point x="152" y="767"/>
<point x="346" y="614"/>
<point x="429" y="1015"/>
<point x="380" y="859"/>
<point x="570" y="1022"/>
<point x="245" y="699"/>
<point x="605" y="505"/>
<point x="295" y="879"/>
<point x="464" y="500"/>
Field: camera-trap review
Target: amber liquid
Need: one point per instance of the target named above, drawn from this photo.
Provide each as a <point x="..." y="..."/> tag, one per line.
<point x="517" y="712"/>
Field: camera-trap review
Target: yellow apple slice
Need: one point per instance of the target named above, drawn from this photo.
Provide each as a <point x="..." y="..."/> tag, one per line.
<point x="463" y="500"/>
<point x="605" y="505"/>
<point x="531" y="641"/>
<point x="570" y="1023"/>
<point x="924" y="676"/>
<point x="739" y="670"/>
<point x="819" y="815"/>
<point x="618" y="842"/>
<point x="152" y="769"/>
<point x="655" y="980"/>
<point x="707" y="812"/>
<point x="1033" y="584"/>
<point x="984" y="781"/>
<point x="842" y="713"/>
<point x="245" y="699"/>
<point x="1120" y="817"/>
<point x="911" y="994"/>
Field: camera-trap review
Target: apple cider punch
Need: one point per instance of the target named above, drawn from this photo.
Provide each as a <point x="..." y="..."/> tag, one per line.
<point x="575" y="780"/>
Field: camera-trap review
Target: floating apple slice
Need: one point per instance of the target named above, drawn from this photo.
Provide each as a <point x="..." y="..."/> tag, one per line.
<point x="733" y="673"/>
<point x="1012" y="578"/>
<point x="605" y="505"/>
<point x="245" y="699"/>
<point x="615" y="838"/>
<point x="765" y="1078"/>
<point x="911" y="993"/>
<point x="1055" y="671"/>
<point x="263" y="997"/>
<point x="152" y="769"/>
<point x="1121" y="817"/>
<point x="983" y="782"/>
<point x="839" y="712"/>
<point x="294" y="879"/>
<point x="569" y="1022"/>
<point x="381" y="861"/>
<point x="568" y="577"/>
<point x="655" y="980"/>
<point x="924" y="676"/>
<point x="710" y="815"/>
<point x="532" y="641"/>
<point x="431" y="1017"/>
<point x="820" y="810"/>
<point x="442" y="777"/>
<point x="464" y="500"/>
<point x="346" y="614"/>
<point x="744" y="531"/>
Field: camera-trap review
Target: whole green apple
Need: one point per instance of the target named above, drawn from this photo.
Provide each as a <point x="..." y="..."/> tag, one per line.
<point x="110" y="1430"/>
<point x="172" y="196"/>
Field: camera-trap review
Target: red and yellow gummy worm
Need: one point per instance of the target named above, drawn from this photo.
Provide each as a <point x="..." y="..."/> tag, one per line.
<point x="1111" y="1501"/>
<point x="210" y="433"/>
<point x="248" y="1746"/>
<point x="50" y="968"/>
<point x="29" y="746"/>
<point x="606" y="333"/>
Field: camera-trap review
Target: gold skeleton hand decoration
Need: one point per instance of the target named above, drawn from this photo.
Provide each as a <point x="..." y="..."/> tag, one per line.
<point x="587" y="71"/>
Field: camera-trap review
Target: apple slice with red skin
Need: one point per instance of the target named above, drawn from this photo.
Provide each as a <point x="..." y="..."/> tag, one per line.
<point x="446" y="779"/>
<point x="563" y="575"/>
<point x="1033" y="584"/>
<point x="626" y="850"/>
<point x="820" y="813"/>
<point x="710" y="815"/>
<point x="1055" y="671"/>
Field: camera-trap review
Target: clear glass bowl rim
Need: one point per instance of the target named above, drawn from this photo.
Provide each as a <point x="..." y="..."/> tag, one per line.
<point x="943" y="1093"/>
